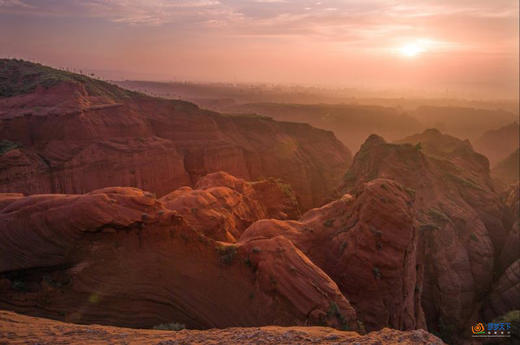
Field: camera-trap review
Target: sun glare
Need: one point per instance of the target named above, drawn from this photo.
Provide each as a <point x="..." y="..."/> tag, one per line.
<point x="412" y="50"/>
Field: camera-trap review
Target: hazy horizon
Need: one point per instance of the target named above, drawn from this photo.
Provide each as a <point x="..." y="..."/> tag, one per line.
<point x="467" y="49"/>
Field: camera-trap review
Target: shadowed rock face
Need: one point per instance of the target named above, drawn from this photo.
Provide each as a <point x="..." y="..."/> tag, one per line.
<point x="459" y="213"/>
<point x="77" y="134"/>
<point x="366" y="242"/>
<point x="505" y="294"/>
<point x="511" y="250"/>
<point x="120" y="256"/>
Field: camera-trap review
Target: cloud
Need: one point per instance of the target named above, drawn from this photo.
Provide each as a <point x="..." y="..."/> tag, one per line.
<point x="154" y="12"/>
<point x="13" y="3"/>
<point x="348" y="21"/>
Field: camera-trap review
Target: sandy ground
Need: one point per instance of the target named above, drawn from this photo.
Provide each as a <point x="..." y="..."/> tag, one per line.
<point x="21" y="329"/>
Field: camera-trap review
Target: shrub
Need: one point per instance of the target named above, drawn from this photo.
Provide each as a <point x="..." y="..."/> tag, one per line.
<point x="410" y="192"/>
<point x="328" y="223"/>
<point x="6" y="146"/>
<point x="461" y="181"/>
<point x="227" y="253"/>
<point x="334" y="312"/>
<point x="248" y="262"/>
<point x="18" y="285"/>
<point x="173" y="326"/>
<point x="445" y="331"/>
<point x="513" y="317"/>
<point x="438" y="216"/>
<point x="428" y="227"/>
<point x="286" y="189"/>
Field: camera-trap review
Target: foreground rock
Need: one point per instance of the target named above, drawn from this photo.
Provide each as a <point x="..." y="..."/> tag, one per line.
<point x="127" y="258"/>
<point x="19" y="329"/>
<point x="66" y="133"/>
<point x="119" y="256"/>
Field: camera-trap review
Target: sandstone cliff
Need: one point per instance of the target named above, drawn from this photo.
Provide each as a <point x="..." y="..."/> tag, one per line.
<point x="459" y="215"/>
<point x="66" y="133"/>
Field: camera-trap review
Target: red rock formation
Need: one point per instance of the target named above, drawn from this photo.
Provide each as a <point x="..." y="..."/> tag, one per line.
<point x="80" y="134"/>
<point x="222" y="206"/>
<point x="25" y="329"/>
<point x="459" y="214"/>
<point x="367" y="244"/>
<point x="505" y="294"/>
<point x="119" y="256"/>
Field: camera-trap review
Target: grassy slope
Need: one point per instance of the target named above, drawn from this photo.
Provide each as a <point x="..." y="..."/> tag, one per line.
<point x="18" y="77"/>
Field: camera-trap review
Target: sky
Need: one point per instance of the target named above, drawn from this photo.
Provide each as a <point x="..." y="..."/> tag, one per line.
<point x="468" y="47"/>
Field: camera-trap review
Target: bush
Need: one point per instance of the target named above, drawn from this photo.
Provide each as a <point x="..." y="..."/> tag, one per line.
<point x="173" y="326"/>
<point x="446" y="331"/>
<point x="428" y="227"/>
<point x="410" y="192"/>
<point x="227" y="253"/>
<point x="6" y="146"/>
<point x="377" y="272"/>
<point x="18" y="285"/>
<point x="328" y="223"/>
<point x="334" y="312"/>
<point x="438" y="216"/>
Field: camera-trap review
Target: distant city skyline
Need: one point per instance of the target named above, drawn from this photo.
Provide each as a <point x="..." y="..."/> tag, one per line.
<point x="466" y="47"/>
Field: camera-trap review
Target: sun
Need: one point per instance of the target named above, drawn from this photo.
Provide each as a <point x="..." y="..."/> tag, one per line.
<point x="412" y="50"/>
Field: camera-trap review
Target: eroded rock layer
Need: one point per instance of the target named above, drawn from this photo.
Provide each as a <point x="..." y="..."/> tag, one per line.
<point x="120" y="256"/>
